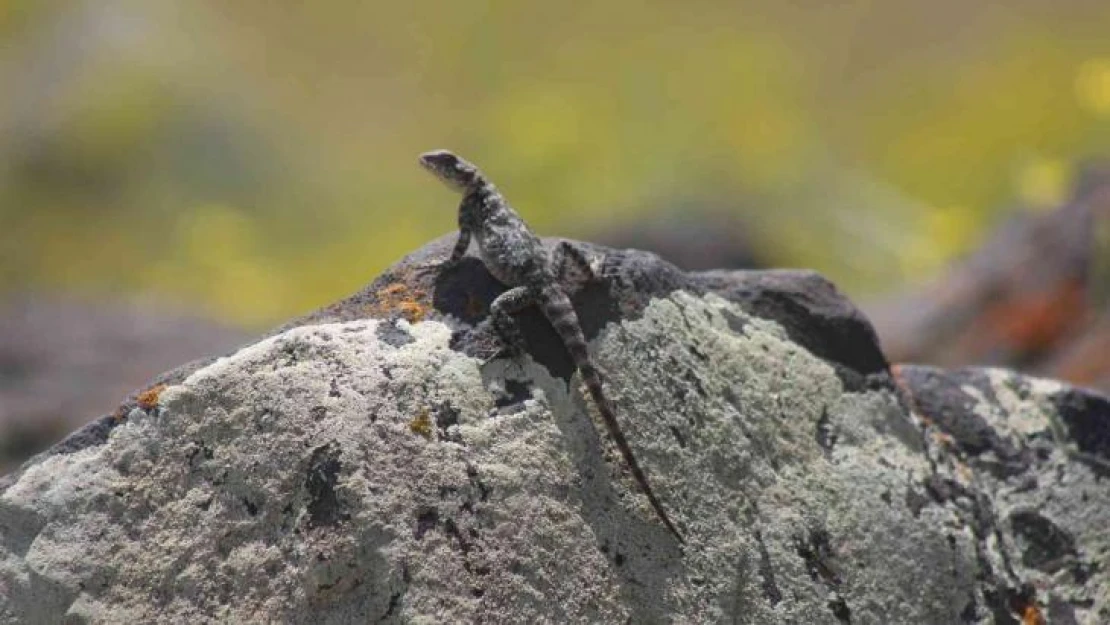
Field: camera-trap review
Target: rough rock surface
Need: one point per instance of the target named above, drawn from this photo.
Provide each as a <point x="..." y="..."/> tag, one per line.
<point x="364" y="465"/>
<point x="1029" y="459"/>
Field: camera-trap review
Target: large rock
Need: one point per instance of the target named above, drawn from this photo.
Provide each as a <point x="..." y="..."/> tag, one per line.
<point x="1028" y="460"/>
<point x="63" y="360"/>
<point x="364" y="465"/>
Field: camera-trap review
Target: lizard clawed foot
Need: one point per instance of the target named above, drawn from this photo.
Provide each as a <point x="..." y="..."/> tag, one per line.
<point x="501" y="354"/>
<point x="494" y="345"/>
<point x="508" y="350"/>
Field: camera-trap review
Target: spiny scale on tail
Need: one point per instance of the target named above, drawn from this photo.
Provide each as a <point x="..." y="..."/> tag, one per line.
<point x="515" y="256"/>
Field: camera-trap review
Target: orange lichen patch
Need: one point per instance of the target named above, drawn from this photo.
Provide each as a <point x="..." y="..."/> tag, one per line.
<point x="412" y="311"/>
<point x="399" y="298"/>
<point x="148" y="399"/>
<point x="422" y="424"/>
<point x="1032" y="615"/>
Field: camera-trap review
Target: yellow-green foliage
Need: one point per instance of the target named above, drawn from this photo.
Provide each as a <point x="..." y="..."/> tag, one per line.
<point x="257" y="159"/>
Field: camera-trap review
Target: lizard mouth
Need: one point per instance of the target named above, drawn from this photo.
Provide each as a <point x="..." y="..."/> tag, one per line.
<point x="428" y="165"/>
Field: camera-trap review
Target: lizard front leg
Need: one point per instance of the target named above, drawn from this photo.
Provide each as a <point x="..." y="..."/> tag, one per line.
<point x="461" y="245"/>
<point x="501" y="316"/>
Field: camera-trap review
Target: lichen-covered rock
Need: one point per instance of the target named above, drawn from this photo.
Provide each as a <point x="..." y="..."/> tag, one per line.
<point x="1036" y="454"/>
<point x="365" y="465"/>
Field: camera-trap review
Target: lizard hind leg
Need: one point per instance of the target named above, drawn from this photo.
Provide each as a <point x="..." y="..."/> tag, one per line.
<point x="502" y="309"/>
<point x="571" y="266"/>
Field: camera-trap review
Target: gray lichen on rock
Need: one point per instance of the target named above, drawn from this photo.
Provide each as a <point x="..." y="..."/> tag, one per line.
<point x="1039" y="450"/>
<point x="349" y="469"/>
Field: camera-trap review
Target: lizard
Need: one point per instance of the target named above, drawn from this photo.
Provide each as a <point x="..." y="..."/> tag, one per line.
<point x="514" y="255"/>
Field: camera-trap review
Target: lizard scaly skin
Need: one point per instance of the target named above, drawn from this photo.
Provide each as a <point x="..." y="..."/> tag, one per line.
<point x="515" y="256"/>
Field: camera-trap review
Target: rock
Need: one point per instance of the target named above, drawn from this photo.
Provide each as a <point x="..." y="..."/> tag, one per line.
<point x="64" y="360"/>
<point x="1036" y="455"/>
<point x="363" y="464"/>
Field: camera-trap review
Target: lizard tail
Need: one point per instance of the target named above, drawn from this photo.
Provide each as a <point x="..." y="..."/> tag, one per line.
<point x="560" y="313"/>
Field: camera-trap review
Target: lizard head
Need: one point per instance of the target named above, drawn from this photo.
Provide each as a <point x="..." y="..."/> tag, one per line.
<point x="455" y="172"/>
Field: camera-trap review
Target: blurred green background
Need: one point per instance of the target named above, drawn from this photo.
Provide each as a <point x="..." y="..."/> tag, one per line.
<point x="254" y="160"/>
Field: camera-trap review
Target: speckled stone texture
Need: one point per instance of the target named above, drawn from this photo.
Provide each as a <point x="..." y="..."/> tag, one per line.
<point x="1029" y="461"/>
<point x="364" y="464"/>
